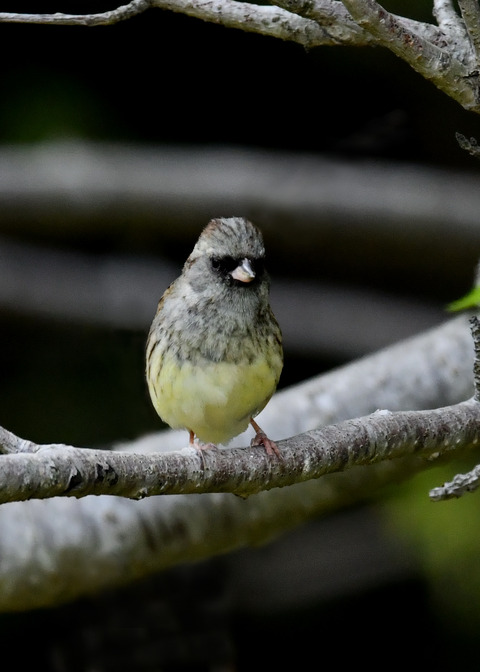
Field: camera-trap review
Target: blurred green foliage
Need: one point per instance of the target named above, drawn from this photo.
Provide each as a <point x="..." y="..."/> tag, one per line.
<point x="444" y="537"/>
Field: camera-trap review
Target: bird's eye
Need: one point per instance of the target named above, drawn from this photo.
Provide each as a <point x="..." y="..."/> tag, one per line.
<point x="224" y="265"/>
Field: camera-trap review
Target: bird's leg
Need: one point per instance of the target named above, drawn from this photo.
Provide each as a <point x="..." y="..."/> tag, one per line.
<point x="261" y="439"/>
<point x="194" y="442"/>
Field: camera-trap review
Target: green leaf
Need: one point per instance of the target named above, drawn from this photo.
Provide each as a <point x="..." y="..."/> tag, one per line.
<point x="470" y="300"/>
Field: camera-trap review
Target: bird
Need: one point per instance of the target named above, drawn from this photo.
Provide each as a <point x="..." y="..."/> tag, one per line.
<point x="214" y="351"/>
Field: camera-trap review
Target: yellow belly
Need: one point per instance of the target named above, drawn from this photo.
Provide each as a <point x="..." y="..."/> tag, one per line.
<point x="214" y="400"/>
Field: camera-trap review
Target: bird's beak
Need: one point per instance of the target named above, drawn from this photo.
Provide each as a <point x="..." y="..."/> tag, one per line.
<point x="244" y="271"/>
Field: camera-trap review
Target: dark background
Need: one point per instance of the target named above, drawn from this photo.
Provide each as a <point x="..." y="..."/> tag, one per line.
<point x="163" y="77"/>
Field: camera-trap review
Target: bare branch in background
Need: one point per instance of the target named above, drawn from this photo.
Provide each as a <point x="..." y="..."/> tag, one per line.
<point x="85" y="186"/>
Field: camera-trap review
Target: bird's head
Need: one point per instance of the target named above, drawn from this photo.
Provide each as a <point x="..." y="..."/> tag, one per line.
<point x="231" y="251"/>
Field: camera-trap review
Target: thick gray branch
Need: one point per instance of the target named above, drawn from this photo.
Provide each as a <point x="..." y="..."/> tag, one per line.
<point x="337" y="21"/>
<point x="334" y="19"/>
<point x="440" y="65"/>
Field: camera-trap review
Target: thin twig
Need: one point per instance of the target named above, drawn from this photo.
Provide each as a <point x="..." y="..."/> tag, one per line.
<point x="101" y="19"/>
<point x="458" y="486"/>
<point x="475" y="328"/>
<point x="469" y="145"/>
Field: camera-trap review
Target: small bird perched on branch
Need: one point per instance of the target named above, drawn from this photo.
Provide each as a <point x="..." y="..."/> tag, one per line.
<point x="214" y="351"/>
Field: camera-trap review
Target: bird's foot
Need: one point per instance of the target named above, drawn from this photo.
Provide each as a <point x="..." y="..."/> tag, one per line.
<point x="261" y="439"/>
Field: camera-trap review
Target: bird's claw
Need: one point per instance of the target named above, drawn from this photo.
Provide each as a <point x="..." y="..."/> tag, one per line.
<point x="261" y="439"/>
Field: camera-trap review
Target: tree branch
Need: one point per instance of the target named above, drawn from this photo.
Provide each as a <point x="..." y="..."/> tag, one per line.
<point x="334" y="19"/>
<point x="475" y="327"/>
<point x="447" y="18"/>
<point x="440" y="65"/>
<point x="463" y="483"/>
<point x="230" y="13"/>
<point x="337" y="21"/>
<point x="101" y="19"/>
<point x="458" y="486"/>
<point x="447" y="56"/>
<point x="59" y="470"/>
<point x="471" y="16"/>
<point x="59" y="549"/>
<point x="115" y="540"/>
<point x="324" y="22"/>
<point x="438" y="208"/>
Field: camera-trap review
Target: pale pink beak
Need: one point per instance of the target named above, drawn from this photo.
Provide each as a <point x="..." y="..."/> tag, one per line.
<point x="244" y="271"/>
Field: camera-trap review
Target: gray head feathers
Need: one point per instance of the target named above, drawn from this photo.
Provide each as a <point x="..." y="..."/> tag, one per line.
<point x="233" y="236"/>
